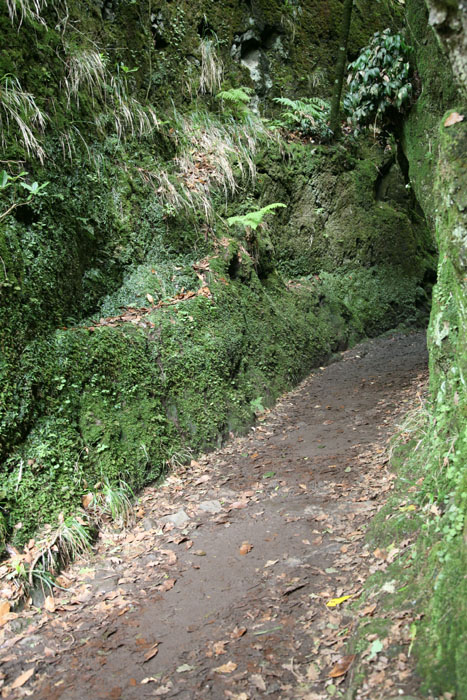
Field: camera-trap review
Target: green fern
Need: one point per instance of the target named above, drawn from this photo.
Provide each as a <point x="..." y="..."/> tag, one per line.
<point x="254" y="218"/>
<point x="308" y="116"/>
<point x="237" y="96"/>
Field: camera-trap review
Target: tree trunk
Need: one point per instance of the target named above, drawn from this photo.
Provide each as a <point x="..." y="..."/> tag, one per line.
<point x="340" y="67"/>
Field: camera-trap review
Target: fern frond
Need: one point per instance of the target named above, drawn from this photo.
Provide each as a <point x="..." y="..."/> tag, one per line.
<point x="254" y="218"/>
<point x="236" y="95"/>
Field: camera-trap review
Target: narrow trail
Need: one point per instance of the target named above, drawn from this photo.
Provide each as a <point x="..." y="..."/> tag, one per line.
<point x="220" y="588"/>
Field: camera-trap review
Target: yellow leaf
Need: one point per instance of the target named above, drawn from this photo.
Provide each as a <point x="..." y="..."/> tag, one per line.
<point x="226" y="668"/>
<point x="337" y="601"/>
<point x="150" y="298"/>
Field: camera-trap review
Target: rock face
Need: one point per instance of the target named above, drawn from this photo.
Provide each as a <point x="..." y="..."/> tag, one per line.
<point x="435" y="140"/>
<point x="91" y="390"/>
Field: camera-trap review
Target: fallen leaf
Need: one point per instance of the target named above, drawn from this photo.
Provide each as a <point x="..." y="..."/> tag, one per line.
<point x="258" y="681"/>
<point x="245" y="548"/>
<point x="49" y="604"/>
<point x="150" y="679"/>
<point x="23" y="678"/>
<point x="171" y="556"/>
<point x="4" y="612"/>
<point x="375" y="649"/>
<point x="271" y="562"/>
<point x="337" y="601"/>
<point x="219" y="648"/>
<point x="150" y="298"/>
<point x="238" y="632"/>
<point x="87" y="499"/>
<point x="184" y="668"/>
<point x="167" y="585"/>
<point x="342" y="666"/>
<point x="454" y="118"/>
<point x="312" y="673"/>
<point x="152" y="652"/>
<point x="226" y="668"/>
<point x="369" y="610"/>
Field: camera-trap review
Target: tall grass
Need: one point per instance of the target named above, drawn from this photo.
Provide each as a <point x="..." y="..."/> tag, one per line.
<point x="19" y="10"/>
<point x="86" y="70"/>
<point x="212" y="69"/>
<point x="19" y="107"/>
<point x="214" y="156"/>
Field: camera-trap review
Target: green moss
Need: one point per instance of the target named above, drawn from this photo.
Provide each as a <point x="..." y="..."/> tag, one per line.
<point x="431" y="465"/>
<point x="342" y="212"/>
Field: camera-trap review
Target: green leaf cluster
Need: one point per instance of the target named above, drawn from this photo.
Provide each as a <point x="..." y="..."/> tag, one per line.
<point x="237" y="100"/>
<point x="309" y="116"/>
<point x="379" y="80"/>
<point x="254" y="218"/>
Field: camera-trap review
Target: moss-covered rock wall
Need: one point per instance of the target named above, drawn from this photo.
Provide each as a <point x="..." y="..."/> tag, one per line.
<point x="435" y="457"/>
<point x="135" y="325"/>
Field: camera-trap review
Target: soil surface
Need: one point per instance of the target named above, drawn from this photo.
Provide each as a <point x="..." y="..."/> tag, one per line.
<point x="220" y="587"/>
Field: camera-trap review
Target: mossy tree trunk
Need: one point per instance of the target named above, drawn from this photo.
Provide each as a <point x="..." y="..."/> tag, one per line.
<point x="340" y="67"/>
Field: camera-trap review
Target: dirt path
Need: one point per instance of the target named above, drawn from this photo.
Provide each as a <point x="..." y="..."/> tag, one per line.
<point x="220" y="589"/>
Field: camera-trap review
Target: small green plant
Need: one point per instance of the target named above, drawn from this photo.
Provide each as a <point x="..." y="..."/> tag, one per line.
<point x="257" y="405"/>
<point x="379" y="81"/>
<point x="71" y="539"/>
<point x="308" y="116"/>
<point x="116" y="501"/>
<point x="34" y="190"/>
<point x="254" y="218"/>
<point x="236" y="100"/>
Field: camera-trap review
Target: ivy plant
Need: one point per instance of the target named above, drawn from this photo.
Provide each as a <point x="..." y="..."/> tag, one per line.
<point x="379" y="83"/>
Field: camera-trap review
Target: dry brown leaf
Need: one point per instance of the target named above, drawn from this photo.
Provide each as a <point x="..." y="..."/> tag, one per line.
<point x="49" y="603"/>
<point x="229" y="667"/>
<point x="312" y="673"/>
<point x="369" y="610"/>
<point x="219" y="647"/>
<point x="258" y="681"/>
<point x="23" y="678"/>
<point x="342" y="666"/>
<point x="171" y="556"/>
<point x="152" y="652"/>
<point x="454" y="118"/>
<point x="4" y="612"/>
<point x="245" y="548"/>
<point x="87" y="499"/>
<point x="238" y="632"/>
<point x="167" y="585"/>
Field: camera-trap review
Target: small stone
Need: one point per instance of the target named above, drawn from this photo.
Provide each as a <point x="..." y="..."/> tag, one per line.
<point x="210" y="506"/>
<point x="149" y="524"/>
<point x="178" y="519"/>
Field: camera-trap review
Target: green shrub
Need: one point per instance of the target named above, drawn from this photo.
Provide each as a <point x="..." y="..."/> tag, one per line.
<point x="379" y="80"/>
